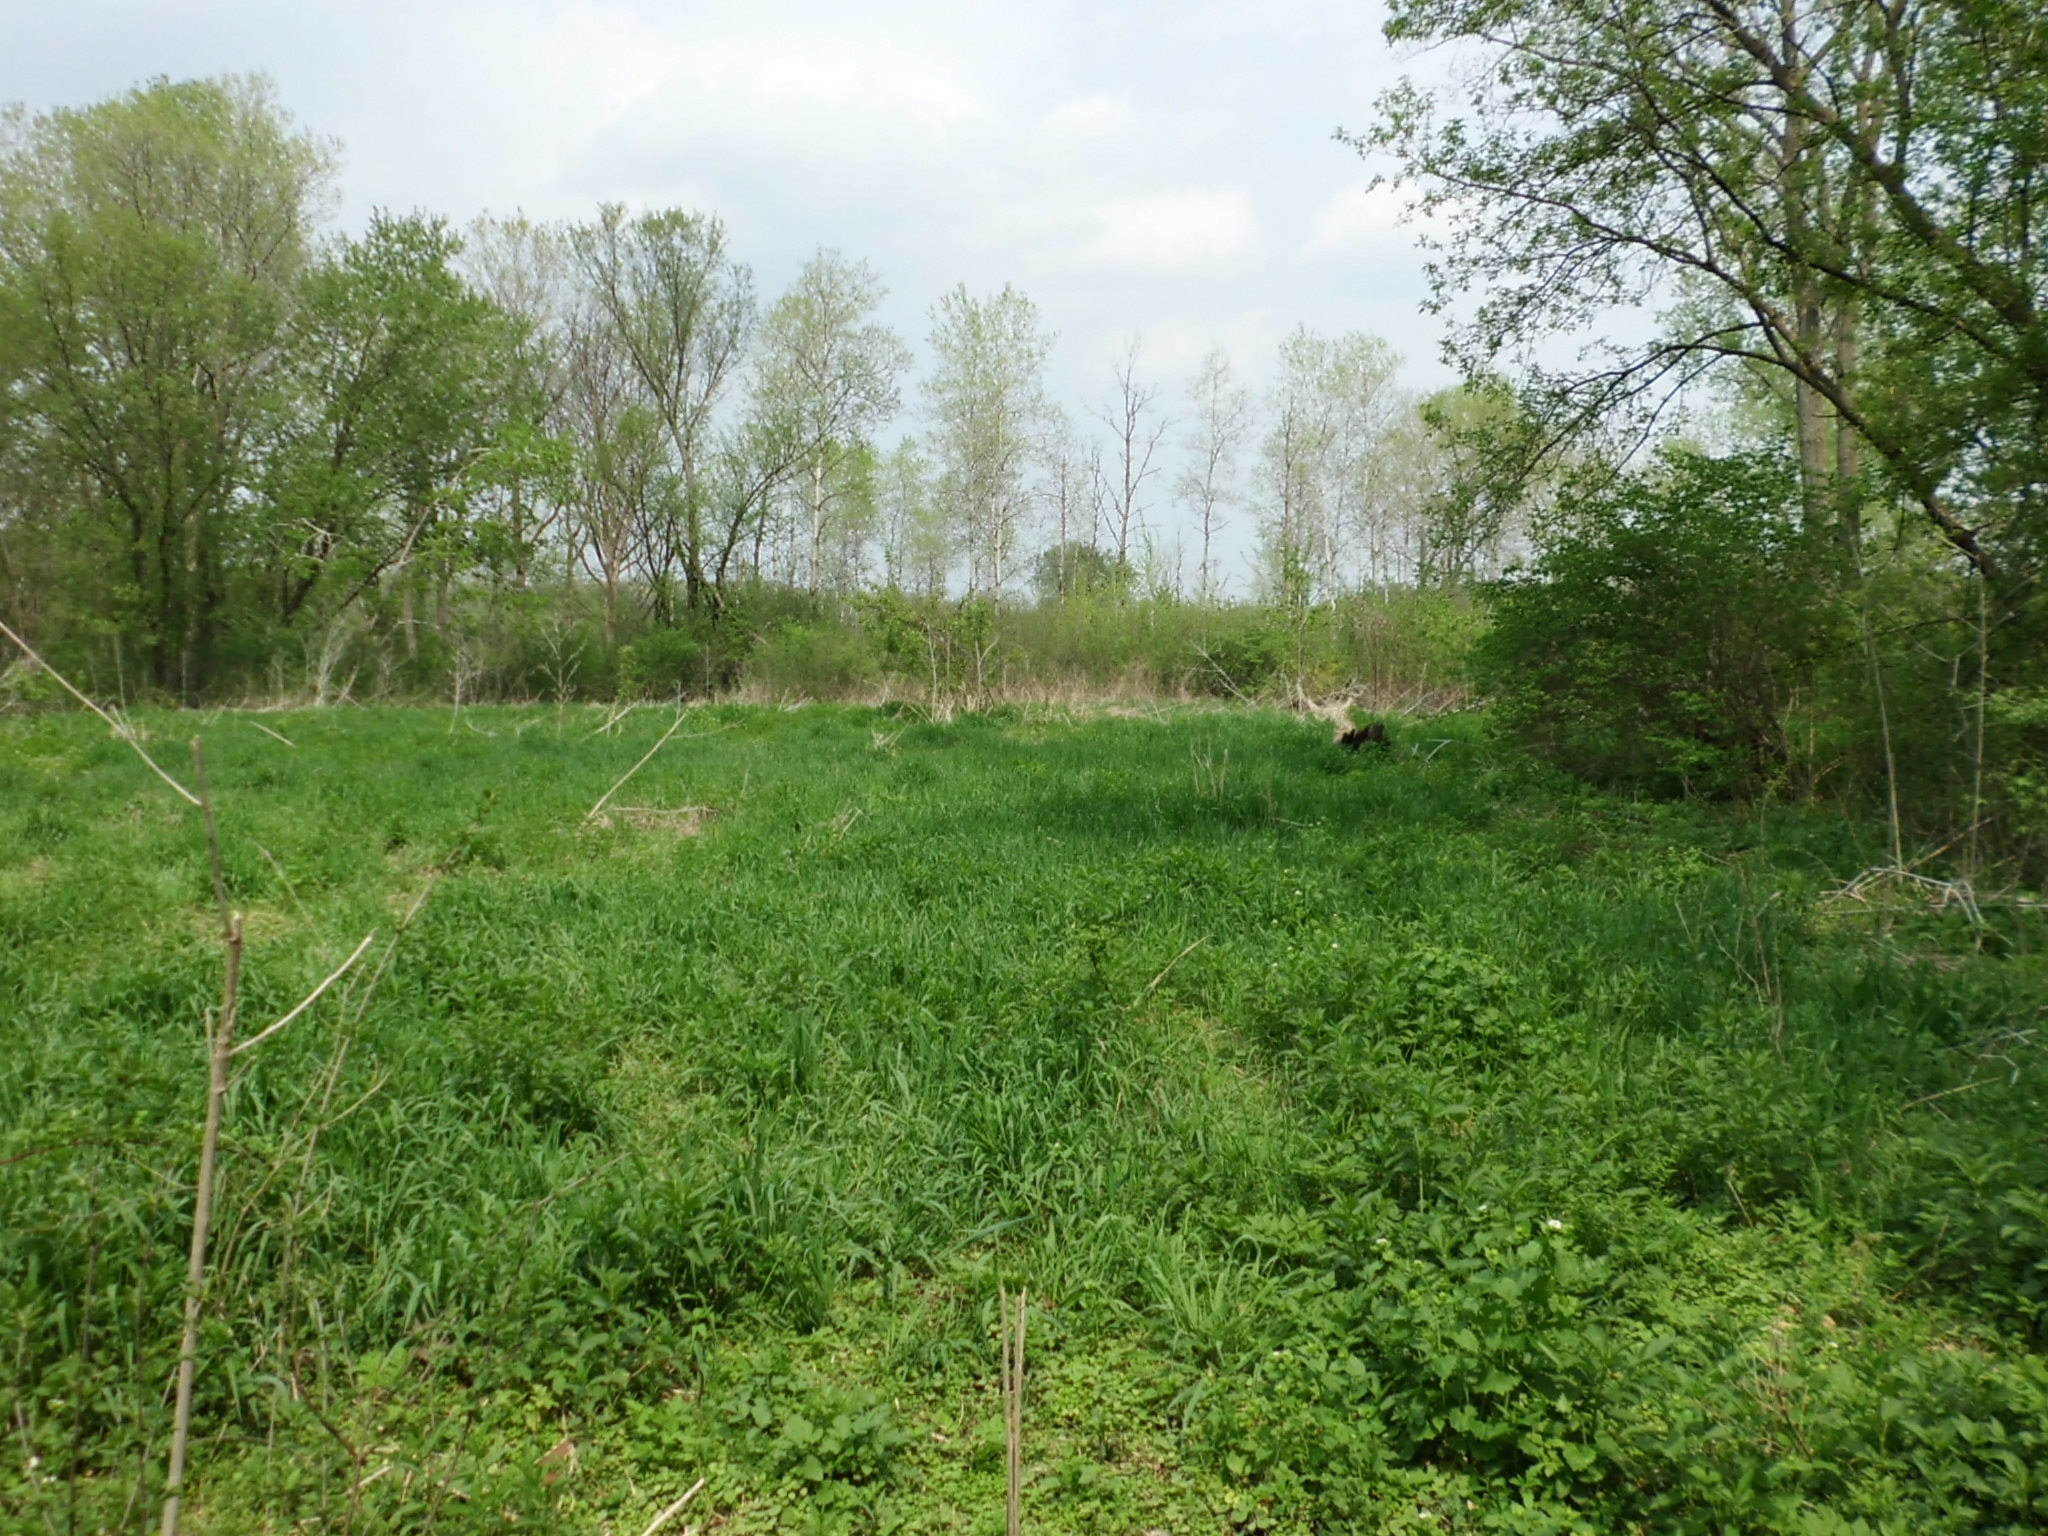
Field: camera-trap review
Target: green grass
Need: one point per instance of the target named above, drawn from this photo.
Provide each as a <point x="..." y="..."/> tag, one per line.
<point x="1403" y="1142"/>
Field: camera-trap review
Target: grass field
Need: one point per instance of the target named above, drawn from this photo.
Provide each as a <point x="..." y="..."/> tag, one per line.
<point x="1403" y="1142"/>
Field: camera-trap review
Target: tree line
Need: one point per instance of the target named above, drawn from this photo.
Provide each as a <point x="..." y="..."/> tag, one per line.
<point x="234" y="443"/>
<point x="226" y="430"/>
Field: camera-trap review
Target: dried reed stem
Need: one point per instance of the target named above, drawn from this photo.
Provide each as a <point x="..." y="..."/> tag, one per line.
<point x="310" y="998"/>
<point x="221" y="1048"/>
<point x="220" y="1054"/>
<point x="602" y="799"/>
<point x="1146" y="990"/>
<point x="120" y="727"/>
<point x="1013" y="1400"/>
<point x="674" y="1509"/>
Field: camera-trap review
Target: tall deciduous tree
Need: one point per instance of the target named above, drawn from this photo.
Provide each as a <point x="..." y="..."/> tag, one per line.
<point x="1220" y="420"/>
<point x="917" y="546"/>
<point x="1332" y="516"/>
<point x="679" y="310"/>
<point x="1854" y="182"/>
<point x="525" y="485"/>
<point x="986" y="402"/>
<point x="828" y="375"/>
<point x="401" y="372"/>
<point x="1136" y="429"/>
<point x="149" y="249"/>
<point x="1473" y="474"/>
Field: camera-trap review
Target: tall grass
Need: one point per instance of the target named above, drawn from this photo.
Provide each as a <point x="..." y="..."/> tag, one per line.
<point x="1374" y="1133"/>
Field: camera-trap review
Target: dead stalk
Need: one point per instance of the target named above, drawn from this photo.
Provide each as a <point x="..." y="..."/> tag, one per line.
<point x="221" y="1046"/>
<point x="674" y="1509"/>
<point x="120" y="727"/>
<point x="591" y="815"/>
<point x="1013" y="1399"/>
<point x="1176" y="960"/>
<point x="221" y="1050"/>
<point x="274" y="735"/>
<point x="310" y="998"/>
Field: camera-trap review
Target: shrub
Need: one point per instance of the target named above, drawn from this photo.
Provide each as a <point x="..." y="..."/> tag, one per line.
<point x="1663" y="642"/>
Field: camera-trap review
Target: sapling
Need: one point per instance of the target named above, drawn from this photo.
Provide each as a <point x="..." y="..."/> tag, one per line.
<point x="221" y="1050"/>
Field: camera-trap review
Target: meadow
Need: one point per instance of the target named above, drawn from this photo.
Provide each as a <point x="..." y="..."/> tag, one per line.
<point x="1413" y="1140"/>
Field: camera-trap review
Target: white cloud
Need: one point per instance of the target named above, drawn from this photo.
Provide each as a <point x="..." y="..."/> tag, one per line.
<point x="778" y="83"/>
<point x="1092" y="120"/>
<point x="1356" y="221"/>
<point x="1176" y="231"/>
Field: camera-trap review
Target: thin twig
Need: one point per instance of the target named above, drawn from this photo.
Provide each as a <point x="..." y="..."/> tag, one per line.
<point x="681" y="715"/>
<point x="1930" y="1098"/>
<point x="674" y="1509"/>
<point x="310" y="998"/>
<point x="222" y="1047"/>
<point x="284" y="879"/>
<point x="1146" y="990"/>
<point x="121" y="728"/>
<point x="611" y="721"/>
<point x="275" y="735"/>
<point x="220" y="884"/>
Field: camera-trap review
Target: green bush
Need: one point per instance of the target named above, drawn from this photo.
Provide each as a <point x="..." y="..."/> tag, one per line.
<point x="1665" y="640"/>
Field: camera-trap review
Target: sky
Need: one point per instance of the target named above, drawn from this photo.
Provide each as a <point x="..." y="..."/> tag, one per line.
<point x="1158" y="167"/>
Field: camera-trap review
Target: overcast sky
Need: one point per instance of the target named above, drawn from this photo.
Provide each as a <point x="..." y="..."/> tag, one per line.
<point x="1163" y="166"/>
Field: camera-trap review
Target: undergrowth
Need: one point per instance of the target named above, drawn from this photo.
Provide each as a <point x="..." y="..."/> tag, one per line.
<point x="1394" y="1141"/>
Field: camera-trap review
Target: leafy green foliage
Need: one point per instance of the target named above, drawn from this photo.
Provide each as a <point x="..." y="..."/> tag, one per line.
<point x="1419" y="1142"/>
<point x="1664" y="639"/>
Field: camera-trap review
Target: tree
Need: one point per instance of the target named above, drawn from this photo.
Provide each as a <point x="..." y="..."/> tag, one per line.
<point x="399" y="370"/>
<point x="1848" y="185"/>
<point x="1293" y="465"/>
<point x="1072" y="571"/>
<point x="828" y="376"/>
<point x="1324" y="466"/>
<point x="1075" y="490"/>
<point x="679" y="310"/>
<point x="1135" y="431"/>
<point x="523" y="268"/>
<point x="985" y="399"/>
<point x="1665" y="640"/>
<point x="1220" y="414"/>
<point x="917" y="547"/>
<point x="149" y="250"/>
<point x="1475" y="466"/>
<point x="1363" y="404"/>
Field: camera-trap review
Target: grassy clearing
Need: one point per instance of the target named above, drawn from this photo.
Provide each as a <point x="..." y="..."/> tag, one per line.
<point x="1403" y="1142"/>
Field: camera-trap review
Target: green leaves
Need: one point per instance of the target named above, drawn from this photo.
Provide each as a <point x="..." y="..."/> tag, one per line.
<point x="149" y="249"/>
<point x="1664" y="640"/>
<point x="1451" y="1170"/>
<point x="1832" y="194"/>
